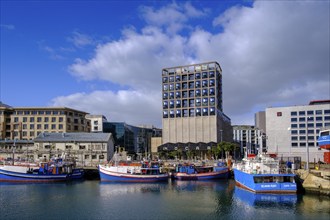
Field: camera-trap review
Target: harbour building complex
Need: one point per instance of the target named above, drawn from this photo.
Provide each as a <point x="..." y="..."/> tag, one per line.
<point x="193" y="115"/>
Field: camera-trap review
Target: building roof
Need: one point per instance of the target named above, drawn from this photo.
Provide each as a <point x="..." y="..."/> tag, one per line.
<point x="319" y="102"/>
<point x="72" y="137"/>
<point x="3" y="105"/>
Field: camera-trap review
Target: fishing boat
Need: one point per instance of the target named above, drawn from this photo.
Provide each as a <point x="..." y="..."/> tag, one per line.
<point x="52" y="171"/>
<point x="192" y="172"/>
<point x="132" y="172"/>
<point x="324" y="143"/>
<point x="262" y="174"/>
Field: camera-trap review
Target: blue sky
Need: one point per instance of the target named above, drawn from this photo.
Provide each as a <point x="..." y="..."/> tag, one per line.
<point x="105" y="57"/>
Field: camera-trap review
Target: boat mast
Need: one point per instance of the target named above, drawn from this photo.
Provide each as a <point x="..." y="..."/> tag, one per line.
<point x="14" y="147"/>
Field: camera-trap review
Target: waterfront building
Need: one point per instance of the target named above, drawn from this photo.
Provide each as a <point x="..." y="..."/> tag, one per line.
<point x="193" y="115"/>
<point x="135" y="140"/>
<point x="248" y="137"/>
<point x="96" y="122"/>
<point x="18" y="149"/>
<point x="294" y="130"/>
<point x="26" y="123"/>
<point x="88" y="149"/>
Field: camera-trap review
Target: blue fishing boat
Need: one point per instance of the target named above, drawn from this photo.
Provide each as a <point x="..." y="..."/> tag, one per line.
<point x="53" y="171"/>
<point x="192" y="172"/>
<point x="132" y="172"/>
<point x="261" y="174"/>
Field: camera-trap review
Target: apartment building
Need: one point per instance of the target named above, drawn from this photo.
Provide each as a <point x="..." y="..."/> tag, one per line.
<point x="26" y="123"/>
<point x="249" y="138"/>
<point x="96" y="122"/>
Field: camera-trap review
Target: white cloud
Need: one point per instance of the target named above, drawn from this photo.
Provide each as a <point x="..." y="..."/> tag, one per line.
<point x="80" y="40"/>
<point x="135" y="60"/>
<point x="274" y="52"/>
<point x="173" y="17"/>
<point x="122" y="106"/>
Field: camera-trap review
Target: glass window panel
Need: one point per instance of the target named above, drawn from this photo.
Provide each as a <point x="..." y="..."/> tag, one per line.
<point x="318" y="112"/>
<point x="293" y="113"/>
<point x="310" y="112"/>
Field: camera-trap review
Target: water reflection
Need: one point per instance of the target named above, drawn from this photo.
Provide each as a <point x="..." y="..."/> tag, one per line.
<point x="192" y="186"/>
<point x="264" y="200"/>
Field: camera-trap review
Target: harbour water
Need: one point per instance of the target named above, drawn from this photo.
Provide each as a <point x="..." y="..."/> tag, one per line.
<point x="219" y="199"/>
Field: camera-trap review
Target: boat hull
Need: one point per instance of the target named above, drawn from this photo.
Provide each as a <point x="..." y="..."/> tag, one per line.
<point x="10" y="176"/>
<point x="109" y="176"/>
<point x="220" y="174"/>
<point x="324" y="142"/>
<point x="246" y="181"/>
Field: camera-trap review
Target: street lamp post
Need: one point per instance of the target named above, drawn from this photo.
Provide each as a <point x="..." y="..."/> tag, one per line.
<point x="307" y="147"/>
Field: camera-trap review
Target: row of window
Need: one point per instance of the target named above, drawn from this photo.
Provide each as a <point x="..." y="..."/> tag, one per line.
<point x="188" y="112"/>
<point x="190" y="93"/>
<point x="39" y="126"/>
<point x="303" y="138"/>
<point x="309" y="125"/>
<point x="190" y="85"/>
<point x="46" y="112"/>
<point x="303" y="131"/>
<point x="186" y="77"/>
<point x="310" y="112"/>
<point x="302" y="144"/>
<point x="39" y="119"/>
<point x="24" y="133"/>
<point x="317" y="118"/>
<point x="190" y="103"/>
<point x="47" y="119"/>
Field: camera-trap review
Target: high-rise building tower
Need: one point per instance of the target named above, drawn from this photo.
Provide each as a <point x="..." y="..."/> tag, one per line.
<point x="192" y="105"/>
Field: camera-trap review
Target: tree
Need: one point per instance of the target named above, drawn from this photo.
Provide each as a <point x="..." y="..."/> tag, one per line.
<point x="216" y="151"/>
<point x="227" y="147"/>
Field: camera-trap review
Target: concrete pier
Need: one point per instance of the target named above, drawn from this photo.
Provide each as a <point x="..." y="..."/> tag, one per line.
<point x="315" y="181"/>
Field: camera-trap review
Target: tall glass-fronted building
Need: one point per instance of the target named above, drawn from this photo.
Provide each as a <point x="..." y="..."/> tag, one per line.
<point x="134" y="140"/>
<point x="193" y="105"/>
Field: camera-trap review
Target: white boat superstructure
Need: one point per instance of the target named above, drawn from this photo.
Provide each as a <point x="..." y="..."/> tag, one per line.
<point x="259" y="164"/>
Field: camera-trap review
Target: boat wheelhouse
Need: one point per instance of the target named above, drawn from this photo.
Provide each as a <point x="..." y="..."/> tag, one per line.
<point x="262" y="174"/>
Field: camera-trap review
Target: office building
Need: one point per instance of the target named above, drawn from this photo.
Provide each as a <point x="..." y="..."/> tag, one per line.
<point x="135" y="140"/>
<point x="294" y="130"/>
<point x="260" y="121"/>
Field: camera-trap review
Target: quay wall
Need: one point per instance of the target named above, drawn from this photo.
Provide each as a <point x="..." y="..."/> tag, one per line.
<point x="315" y="181"/>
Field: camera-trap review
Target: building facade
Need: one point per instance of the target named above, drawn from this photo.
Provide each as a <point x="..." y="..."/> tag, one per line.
<point x="294" y="130"/>
<point x="192" y="106"/>
<point x="249" y="138"/>
<point x="260" y="121"/>
<point x="136" y="141"/>
<point x="96" y="122"/>
<point x="26" y="123"/>
<point x="88" y="149"/>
